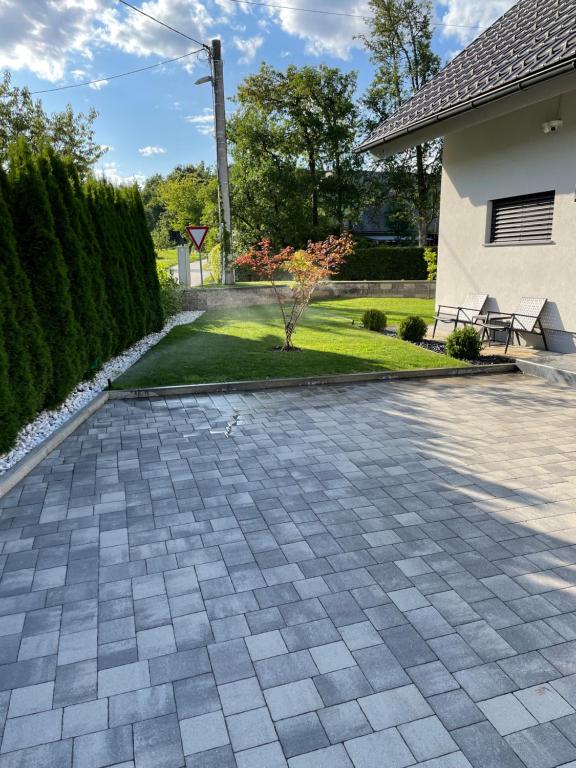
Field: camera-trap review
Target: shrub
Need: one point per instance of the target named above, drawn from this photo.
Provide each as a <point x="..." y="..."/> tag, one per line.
<point x="214" y="264"/>
<point x="374" y="320"/>
<point x="464" y="343"/>
<point x="170" y="292"/>
<point x="412" y="328"/>
<point x="384" y="262"/>
<point x="431" y="259"/>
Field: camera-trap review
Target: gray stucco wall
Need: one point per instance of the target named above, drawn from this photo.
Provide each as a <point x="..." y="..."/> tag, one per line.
<point x="509" y="156"/>
<point x="236" y="297"/>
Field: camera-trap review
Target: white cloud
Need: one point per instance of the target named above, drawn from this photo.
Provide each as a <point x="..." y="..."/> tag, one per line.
<point x="111" y="173"/>
<point x="151" y="151"/>
<point x="98" y="85"/>
<point x="204" y="123"/>
<point x="248" y="47"/>
<point x="322" y="33"/>
<point x="464" y="15"/>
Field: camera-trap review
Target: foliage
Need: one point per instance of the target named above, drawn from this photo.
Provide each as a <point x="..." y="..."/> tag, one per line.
<point x="77" y="281"/>
<point x="295" y="176"/>
<point x="412" y="328"/>
<point x="400" y="45"/>
<point x="68" y="134"/>
<point x="431" y="259"/>
<point x="234" y="344"/>
<point x="170" y="292"/>
<point x="464" y="343"/>
<point x="384" y="262"/>
<point x="215" y="263"/>
<point x="319" y="261"/>
<point x="374" y="320"/>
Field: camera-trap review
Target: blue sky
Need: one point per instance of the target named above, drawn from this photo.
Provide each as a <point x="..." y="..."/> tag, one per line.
<point x="155" y="120"/>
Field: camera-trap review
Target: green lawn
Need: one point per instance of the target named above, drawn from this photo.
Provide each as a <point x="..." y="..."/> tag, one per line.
<point x="231" y="345"/>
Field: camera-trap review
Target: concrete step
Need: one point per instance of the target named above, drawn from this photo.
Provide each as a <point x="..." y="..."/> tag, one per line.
<point x="556" y="368"/>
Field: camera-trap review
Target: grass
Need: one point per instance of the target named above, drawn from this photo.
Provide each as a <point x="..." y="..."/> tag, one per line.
<point x="229" y="345"/>
<point x="168" y="257"/>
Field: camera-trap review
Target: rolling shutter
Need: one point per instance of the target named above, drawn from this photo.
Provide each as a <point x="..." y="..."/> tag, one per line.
<point x="523" y="218"/>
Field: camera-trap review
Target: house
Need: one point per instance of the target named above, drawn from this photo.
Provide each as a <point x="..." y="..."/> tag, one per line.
<point x="506" y="109"/>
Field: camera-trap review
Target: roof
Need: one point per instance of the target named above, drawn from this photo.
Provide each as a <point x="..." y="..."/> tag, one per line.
<point x="534" y="40"/>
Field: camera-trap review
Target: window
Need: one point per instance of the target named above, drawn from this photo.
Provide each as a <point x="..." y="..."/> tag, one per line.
<point x="526" y="218"/>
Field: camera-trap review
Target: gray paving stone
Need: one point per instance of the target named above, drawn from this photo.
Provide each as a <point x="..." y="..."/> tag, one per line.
<point x="178" y="666"/>
<point x="432" y="678"/>
<point x="219" y="757"/>
<point x="344" y="721"/>
<point x="544" y="702"/>
<point x="507" y="714"/>
<point x="76" y="683"/>
<point x="203" y="733"/>
<point x="155" y="642"/>
<point x="542" y="746"/>
<point x="196" y="696"/>
<point x="485" y="748"/>
<point x="485" y="682"/>
<point x="34" y="698"/>
<point x="85" y="718"/>
<point x="240" y="696"/>
<point x="343" y="685"/>
<point x="456" y="709"/>
<point x="427" y="738"/>
<point x="265" y="645"/>
<point x="279" y="670"/>
<point x="157" y="743"/>
<point x="292" y="699"/>
<point x="390" y="708"/>
<point x="381" y="668"/>
<point x="270" y="755"/>
<point x="250" y="729"/>
<point x="31" y="730"/>
<point x="96" y="750"/>
<point x="367" y="751"/>
<point x="129" y="677"/>
<point x="230" y="661"/>
<point x="142" y="704"/>
<point x="58" y="753"/>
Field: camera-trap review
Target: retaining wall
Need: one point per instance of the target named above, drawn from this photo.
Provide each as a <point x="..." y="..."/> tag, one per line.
<point x="244" y="296"/>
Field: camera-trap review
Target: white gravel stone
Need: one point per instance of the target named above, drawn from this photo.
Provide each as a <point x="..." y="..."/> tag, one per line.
<point x="49" y="421"/>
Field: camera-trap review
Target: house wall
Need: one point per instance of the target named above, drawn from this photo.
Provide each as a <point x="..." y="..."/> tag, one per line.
<point x="504" y="157"/>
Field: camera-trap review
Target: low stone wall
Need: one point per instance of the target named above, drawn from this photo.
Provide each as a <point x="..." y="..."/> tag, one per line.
<point x="245" y="296"/>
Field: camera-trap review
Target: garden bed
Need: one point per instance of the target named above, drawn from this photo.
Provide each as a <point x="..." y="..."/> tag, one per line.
<point x="433" y="345"/>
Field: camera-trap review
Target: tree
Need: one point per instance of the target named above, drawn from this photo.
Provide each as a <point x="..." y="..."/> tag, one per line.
<point x="41" y="255"/>
<point x="400" y="46"/>
<point x="29" y="364"/>
<point x="295" y="174"/>
<point x="69" y="134"/>
<point x="307" y="267"/>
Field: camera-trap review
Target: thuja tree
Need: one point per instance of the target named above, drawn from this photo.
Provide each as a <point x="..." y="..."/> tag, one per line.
<point x="78" y="261"/>
<point x="42" y="258"/>
<point x="8" y="420"/>
<point x="307" y="268"/>
<point x="29" y="363"/>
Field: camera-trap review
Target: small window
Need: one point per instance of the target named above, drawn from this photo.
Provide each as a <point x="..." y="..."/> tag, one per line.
<point x="526" y="218"/>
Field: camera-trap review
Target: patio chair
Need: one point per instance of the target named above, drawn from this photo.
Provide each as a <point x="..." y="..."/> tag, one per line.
<point x="526" y="319"/>
<point x="471" y="307"/>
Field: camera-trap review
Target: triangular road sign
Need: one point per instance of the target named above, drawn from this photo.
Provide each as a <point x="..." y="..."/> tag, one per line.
<point x="197" y="235"/>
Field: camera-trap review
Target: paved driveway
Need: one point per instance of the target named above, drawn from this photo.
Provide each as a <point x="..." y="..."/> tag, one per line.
<point x="380" y="575"/>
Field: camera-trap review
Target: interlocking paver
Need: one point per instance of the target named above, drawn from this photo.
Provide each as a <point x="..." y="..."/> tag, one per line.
<point x="349" y="543"/>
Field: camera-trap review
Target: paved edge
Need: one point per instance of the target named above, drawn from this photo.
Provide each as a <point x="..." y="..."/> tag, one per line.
<point x="308" y="381"/>
<point x="553" y="374"/>
<point x="18" y="472"/>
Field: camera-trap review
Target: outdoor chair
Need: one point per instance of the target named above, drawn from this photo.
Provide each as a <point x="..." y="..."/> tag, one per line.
<point x="526" y="319"/>
<point x="466" y="313"/>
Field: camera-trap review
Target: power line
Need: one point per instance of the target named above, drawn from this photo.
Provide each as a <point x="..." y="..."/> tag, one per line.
<point x="338" y="13"/>
<point x="115" y="77"/>
<point x="162" y="23"/>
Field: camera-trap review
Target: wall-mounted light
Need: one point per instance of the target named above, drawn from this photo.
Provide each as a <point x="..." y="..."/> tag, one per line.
<point x="552" y="126"/>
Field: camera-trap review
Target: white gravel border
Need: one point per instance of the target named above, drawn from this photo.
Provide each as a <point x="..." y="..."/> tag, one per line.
<point x="48" y="422"/>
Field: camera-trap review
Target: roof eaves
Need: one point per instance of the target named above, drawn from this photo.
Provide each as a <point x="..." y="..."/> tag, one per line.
<point x="490" y="96"/>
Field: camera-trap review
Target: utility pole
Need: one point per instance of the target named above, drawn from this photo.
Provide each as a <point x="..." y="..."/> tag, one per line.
<point x="222" y="161"/>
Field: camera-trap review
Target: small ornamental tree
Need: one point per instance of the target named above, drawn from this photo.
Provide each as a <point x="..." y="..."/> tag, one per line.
<point x="318" y="262"/>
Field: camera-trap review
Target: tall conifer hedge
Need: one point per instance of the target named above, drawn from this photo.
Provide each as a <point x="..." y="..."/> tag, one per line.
<point x="77" y="282"/>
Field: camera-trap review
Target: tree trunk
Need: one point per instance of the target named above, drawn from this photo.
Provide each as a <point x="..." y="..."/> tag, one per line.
<point x="422" y="231"/>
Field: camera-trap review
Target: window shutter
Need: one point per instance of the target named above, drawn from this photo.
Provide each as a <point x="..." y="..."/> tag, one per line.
<point x="523" y="218"/>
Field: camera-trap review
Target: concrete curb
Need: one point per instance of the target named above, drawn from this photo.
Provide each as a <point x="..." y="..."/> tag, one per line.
<point x="550" y="373"/>
<point x="19" y="471"/>
<point x="309" y="381"/>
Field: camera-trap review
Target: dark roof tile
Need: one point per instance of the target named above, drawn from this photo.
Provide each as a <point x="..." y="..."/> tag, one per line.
<point x="532" y="37"/>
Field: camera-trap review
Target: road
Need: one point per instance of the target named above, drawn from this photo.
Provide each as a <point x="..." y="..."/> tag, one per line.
<point x="194" y="271"/>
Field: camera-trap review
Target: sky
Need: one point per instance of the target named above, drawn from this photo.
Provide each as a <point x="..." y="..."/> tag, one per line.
<point x="157" y="119"/>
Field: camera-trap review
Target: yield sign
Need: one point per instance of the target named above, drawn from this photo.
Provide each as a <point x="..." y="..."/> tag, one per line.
<point x="197" y="235"/>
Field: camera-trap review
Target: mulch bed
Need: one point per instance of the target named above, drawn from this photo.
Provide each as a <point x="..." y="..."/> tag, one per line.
<point x="440" y="348"/>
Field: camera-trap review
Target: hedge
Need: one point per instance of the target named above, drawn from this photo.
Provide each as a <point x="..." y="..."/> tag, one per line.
<point x="78" y="281"/>
<point x="385" y="262"/>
